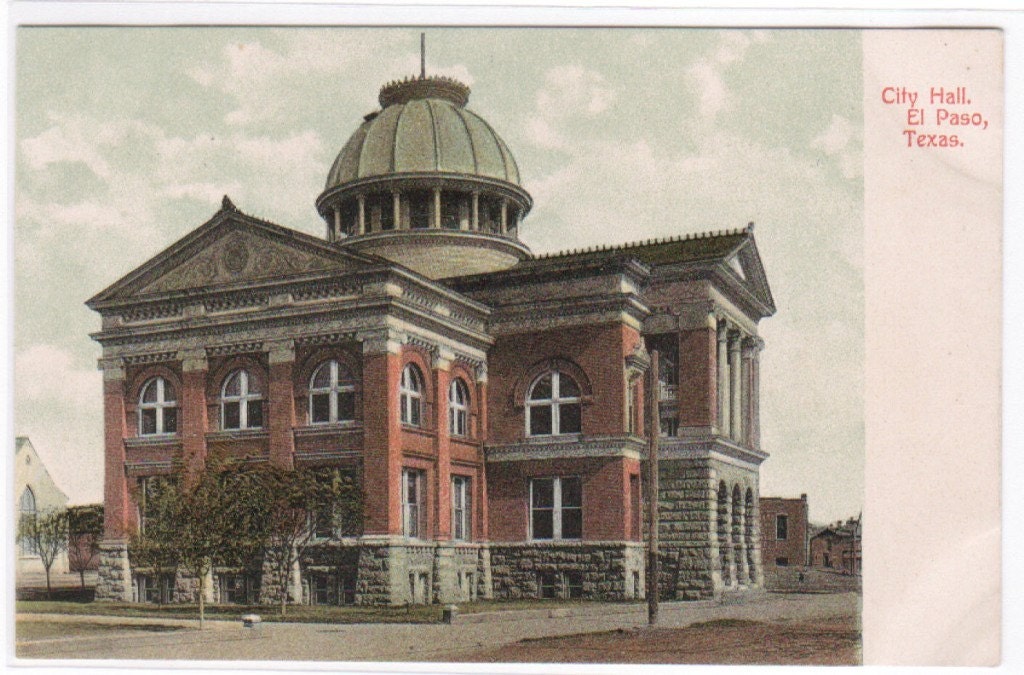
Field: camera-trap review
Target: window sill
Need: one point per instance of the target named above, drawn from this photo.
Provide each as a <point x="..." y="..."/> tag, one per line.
<point x="324" y="428"/>
<point x="558" y="438"/>
<point x="153" y="441"/>
<point x="418" y="430"/>
<point x="237" y="434"/>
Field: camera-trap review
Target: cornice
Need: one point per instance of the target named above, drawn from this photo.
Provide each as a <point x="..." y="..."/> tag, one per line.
<point x="568" y="447"/>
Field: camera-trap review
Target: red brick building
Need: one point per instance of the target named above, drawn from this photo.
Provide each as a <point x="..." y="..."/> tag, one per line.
<point x="490" y="400"/>
<point x="784" y="532"/>
<point x="837" y="547"/>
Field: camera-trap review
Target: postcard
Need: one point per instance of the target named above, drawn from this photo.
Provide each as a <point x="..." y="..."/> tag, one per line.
<point x="486" y="344"/>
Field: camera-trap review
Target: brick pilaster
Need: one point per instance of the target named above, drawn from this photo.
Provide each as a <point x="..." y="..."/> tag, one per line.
<point x="194" y="422"/>
<point x="443" y="475"/>
<point x="480" y="488"/>
<point x="698" y="376"/>
<point x="382" y="450"/>
<point x="115" y="430"/>
<point x="282" y="404"/>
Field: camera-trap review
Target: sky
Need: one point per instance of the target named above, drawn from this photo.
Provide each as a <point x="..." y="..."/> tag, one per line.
<point x="128" y="138"/>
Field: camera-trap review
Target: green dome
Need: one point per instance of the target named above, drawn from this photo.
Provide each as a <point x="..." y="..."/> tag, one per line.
<point x="423" y="127"/>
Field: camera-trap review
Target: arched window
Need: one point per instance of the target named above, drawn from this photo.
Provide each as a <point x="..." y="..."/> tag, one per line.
<point x="553" y="405"/>
<point x="241" y="403"/>
<point x="411" y="396"/>
<point x="158" y="409"/>
<point x="332" y="394"/>
<point x="27" y="507"/>
<point x="458" y="408"/>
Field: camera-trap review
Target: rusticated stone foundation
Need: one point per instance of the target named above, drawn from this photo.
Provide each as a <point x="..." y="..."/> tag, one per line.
<point x="114" y="574"/>
<point x="588" y="570"/>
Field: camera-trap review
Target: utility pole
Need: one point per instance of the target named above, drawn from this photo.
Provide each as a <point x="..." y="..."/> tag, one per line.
<point x="653" y="430"/>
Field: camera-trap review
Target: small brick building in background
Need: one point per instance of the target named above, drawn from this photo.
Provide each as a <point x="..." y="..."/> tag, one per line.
<point x="784" y="532"/>
<point x="489" y="400"/>
<point x="837" y="547"/>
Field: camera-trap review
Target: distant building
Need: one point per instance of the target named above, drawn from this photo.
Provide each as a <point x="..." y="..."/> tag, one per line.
<point x="838" y="547"/>
<point x="35" y="493"/>
<point x="784" y="532"/>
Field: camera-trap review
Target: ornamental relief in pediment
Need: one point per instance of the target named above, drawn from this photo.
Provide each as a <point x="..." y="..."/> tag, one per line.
<point x="239" y="257"/>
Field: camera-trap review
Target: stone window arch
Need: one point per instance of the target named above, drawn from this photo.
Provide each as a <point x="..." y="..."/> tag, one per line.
<point x="158" y="408"/>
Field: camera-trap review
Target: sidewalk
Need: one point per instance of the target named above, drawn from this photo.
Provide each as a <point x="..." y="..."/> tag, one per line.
<point x="407" y="642"/>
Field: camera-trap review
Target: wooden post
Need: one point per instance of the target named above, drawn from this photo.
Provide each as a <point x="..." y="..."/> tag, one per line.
<point x="653" y="430"/>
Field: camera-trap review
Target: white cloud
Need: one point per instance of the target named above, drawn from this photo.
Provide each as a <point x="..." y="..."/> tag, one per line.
<point x="47" y="374"/>
<point x="706" y="76"/>
<point x="842" y="140"/>
<point x="569" y="93"/>
<point x="65" y="142"/>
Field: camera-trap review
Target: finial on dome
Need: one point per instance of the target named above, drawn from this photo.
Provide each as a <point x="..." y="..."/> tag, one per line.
<point x="423" y="56"/>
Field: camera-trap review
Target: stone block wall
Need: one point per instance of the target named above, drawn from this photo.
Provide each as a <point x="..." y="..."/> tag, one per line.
<point x="114" y="575"/>
<point x="605" y="570"/>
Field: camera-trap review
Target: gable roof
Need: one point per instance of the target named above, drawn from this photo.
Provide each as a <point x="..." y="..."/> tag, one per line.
<point x="42" y="484"/>
<point x="734" y="251"/>
<point x="231" y="248"/>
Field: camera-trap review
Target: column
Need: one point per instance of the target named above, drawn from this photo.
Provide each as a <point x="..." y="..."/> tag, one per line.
<point x="481" y="433"/>
<point x="194" y="420"/>
<point x="504" y="216"/>
<point x="282" y="404"/>
<point x="115" y="430"/>
<point x="755" y="396"/>
<point x="397" y="202"/>
<point x="475" y="226"/>
<point x="382" y="449"/>
<point x="735" y="388"/>
<point x="362" y="215"/>
<point x="742" y="567"/>
<point x="727" y="544"/>
<point x="723" y="379"/>
<point x="441" y="374"/>
<point x="435" y="222"/>
<point x="749" y="395"/>
<point x="337" y="224"/>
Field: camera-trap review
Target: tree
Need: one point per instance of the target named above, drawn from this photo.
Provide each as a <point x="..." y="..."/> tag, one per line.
<point x="85" y="528"/>
<point x="47" y="534"/>
<point x="186" y="524"/>
<point x="302" y="504"/>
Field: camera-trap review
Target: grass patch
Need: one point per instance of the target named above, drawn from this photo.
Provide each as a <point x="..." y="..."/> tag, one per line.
<point x="296" y="613"/>
<point x="47" y="630"/>
<point x="727" y="623"/>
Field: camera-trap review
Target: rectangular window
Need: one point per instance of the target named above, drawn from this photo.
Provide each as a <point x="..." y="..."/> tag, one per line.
<point x="782" y="562"/>
<point x="255" y="415"/>
<point x="462" y="523"/>
<point x="540" y="420"/>
<point x="548" y="585"/>
<point x="413" y="502"/>
<point x="323" y="590"/>
<point x="569" y="420"/>
<point x="235" y="589"/>
<point x="346" y="405"/>
<point x="148" y="417"/>
<point x="556" y="508"/>
<point x="635" y="507"/>
<point x="170" y="420"/>
<point x="781" y="527"/>
<point x="232" y="415"/>
<point x="321" y="408"/>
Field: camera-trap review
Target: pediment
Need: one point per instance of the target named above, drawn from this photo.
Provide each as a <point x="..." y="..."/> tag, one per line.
<point x="240" y="256"/>
<point x="746" y="265"/>
<point x="230" y="250"/>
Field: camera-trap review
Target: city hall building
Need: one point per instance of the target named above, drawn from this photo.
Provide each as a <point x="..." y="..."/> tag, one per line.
<point x="489" y="400"/>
